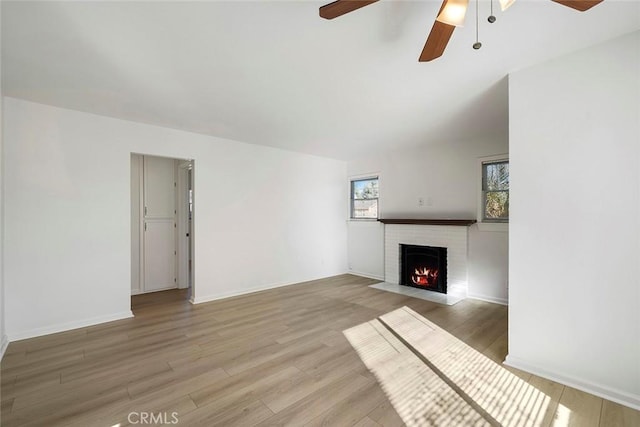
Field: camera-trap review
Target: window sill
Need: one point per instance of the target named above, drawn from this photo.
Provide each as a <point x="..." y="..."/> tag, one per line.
<point x="496" y="227"/>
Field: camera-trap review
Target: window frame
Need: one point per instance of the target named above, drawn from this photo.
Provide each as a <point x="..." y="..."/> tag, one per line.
<point x="484" y="223"/>
<point x="355" y="179"/>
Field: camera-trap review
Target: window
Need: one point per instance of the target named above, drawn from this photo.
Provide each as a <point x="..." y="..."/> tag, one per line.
<point x="495" y="191"/>
<point x="364" y="198"/>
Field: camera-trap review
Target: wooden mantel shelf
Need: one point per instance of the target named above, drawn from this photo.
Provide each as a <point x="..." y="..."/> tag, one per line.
<point x="459" y="222"/>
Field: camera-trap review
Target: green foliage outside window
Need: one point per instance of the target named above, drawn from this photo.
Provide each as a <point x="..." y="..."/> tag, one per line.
<point x="495" y="191"/>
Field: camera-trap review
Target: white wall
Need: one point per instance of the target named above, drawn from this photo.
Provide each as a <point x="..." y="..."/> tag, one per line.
<point x="446" y="176"/>
<point x="366" y="248"/>
<point x="575" y="219"/>
<point x="263" y="217"/>
<point x="3" y="336"/>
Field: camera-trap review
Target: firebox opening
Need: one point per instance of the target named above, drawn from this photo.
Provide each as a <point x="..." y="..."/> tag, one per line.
<point x="424" y="267"/>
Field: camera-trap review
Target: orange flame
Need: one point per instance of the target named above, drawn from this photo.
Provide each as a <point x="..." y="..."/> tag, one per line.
<point x="424" y="276"/>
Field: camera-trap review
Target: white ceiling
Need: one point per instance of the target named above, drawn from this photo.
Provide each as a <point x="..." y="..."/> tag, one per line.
<point x="275" y="73"/>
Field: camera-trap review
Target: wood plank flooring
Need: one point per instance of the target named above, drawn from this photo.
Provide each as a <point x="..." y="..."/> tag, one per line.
<point x="277" y="357"/>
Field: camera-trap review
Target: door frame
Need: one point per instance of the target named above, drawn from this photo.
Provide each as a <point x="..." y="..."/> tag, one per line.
<point x="137" y="217"/>
<point x="185" y="244"/>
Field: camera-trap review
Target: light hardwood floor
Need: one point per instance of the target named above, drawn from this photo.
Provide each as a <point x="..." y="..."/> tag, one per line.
<point x="270" y="358"/>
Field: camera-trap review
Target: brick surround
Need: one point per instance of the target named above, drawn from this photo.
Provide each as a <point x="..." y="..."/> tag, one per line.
<point x="454" y="238"/>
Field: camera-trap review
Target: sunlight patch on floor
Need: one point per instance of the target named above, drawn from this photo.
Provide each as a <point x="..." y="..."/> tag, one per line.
<point x="433" y="379"/>
<point x="562" y="417"/>
<point x="419" y="396"/>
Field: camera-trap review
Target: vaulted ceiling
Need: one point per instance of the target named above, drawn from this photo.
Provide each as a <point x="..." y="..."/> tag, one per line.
<point x="275" y="73"/>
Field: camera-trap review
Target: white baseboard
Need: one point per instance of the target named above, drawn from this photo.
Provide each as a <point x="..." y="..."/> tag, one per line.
<point x="223" y="295"/>
<point x="367" y="275"/>
<point x="4" y="345"/>
<point x="63" y="327"/>
<point x="618" y="396"/>
<point x="501" y="301"/>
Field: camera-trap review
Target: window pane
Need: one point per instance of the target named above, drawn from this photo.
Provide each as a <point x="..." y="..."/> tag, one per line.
<point x="365" y="189"/>
<point x="497" y="205"/>
<point x="496" y="176"/>
<point x="367" y="208"/>
<point x="364" y="198"/>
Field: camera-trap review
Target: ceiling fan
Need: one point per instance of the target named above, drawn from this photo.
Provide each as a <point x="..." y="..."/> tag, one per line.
<point x="450" y="16"/>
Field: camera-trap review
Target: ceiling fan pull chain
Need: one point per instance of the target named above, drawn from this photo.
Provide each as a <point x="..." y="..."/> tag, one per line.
<point x="477" y="45"/>
<point x="491" y="17"/>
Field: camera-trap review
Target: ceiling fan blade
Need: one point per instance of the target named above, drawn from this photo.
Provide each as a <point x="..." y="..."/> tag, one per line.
<point x="437" y="40"/>
<point x="580" y="5"/>
<point x="340" y="7"/>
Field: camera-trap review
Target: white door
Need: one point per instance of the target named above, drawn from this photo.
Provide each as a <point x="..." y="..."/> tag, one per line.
<point x="159" y="224"/>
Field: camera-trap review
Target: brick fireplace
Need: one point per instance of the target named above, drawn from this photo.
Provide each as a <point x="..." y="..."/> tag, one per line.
<point x="449" y="234"/>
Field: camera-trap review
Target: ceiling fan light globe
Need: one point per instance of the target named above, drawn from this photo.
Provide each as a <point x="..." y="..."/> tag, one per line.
<point x="453" y="13"/>
<point x="505" y="4"/>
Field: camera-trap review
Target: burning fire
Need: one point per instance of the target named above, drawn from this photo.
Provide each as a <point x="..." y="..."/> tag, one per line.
<point x="424" y="276"/>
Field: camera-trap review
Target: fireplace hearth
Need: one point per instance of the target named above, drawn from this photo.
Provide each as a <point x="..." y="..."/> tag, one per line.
<point x="423" y="267"/>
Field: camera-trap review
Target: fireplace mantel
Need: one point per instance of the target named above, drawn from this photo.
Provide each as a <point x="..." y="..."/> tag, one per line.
<point x="459" y="222"/>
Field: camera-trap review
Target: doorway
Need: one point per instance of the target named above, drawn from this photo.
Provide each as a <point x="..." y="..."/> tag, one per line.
<point x="161" y="224"/>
